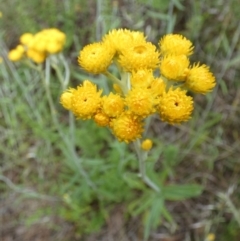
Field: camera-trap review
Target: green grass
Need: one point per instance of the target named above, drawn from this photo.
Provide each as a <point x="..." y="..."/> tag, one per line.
<point x="70" y="179"/>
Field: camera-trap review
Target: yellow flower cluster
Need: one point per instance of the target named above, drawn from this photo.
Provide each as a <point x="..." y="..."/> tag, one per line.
<point x="38" y="46"/>
<point x="140" y="92"/>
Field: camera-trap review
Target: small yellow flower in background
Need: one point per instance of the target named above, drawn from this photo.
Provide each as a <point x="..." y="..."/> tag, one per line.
<point x="1" y="60"/>
<point x="1" y="14"/>
<point x="86" y="100"/>
<point x="141" y="56"/>
<point x="175" y="106"/>
<point x="210" y="237"/>
<point x="101" y="119"/>
<point x="36" y="56"/>
<point x="199" y="79"/>
<point x="112" y="105"/>
<point x="175" y="44"/>
<point x="38" y="46"/>
<point x="16" y="54"/>
<point x="95" y="58"/>
<point x="26" y="38"/>
<point x="174" y="67"/>
<point x="127" y="127"/>
<point x="147" y="145"/>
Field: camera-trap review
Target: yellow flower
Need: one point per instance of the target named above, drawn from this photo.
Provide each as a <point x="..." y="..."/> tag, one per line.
<point x="127" y="127"/>
<point x="66" y="99"/>
<point x="139" y="56"/>
<point x="174" y="67"/>
<point x="175" y="44"/>
<point x="53" y="47"/>
<point x="210" y="237"/>
<point x="26" y="38"/>
<point x="48" y="40"/>
<point x="175" y="106"/>
<point x="95" y="58"/>
<point x="147" y="145"/>
<point x="112" y="105"/>
<point x="120" y="39"/>
<point x="101" y="119"/>
<point x="86" y="100"/>
<point x="141" y="101"/>
<point x="36" y="56"/>
<point x="142" y="78"/>
<point x="199" y="79"/>
<point x="157" y="87"/>
<point x="16" y="54"/>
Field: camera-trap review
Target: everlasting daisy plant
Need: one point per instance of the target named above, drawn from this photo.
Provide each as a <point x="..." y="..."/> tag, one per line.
<point x="139" y="92"/>
<point x="37" y="47"/>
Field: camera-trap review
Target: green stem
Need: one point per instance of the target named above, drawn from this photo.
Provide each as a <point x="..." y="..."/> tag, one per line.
<point x="142" y="156"/>
<point x="117" y="81"/>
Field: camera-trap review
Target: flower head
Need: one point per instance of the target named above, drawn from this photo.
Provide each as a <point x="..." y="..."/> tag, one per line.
<point x="174" y="67"/>
<point x="16" y="54"/>
<point x="175" y="44"/>
<point x="120" y="39"/>
<point x="141" y="101"/>
<point x="112" y="105"/>
<point x="139" y="56"/>
<point x="66" y="98"/>
<point x="147" y="145"/>
<point x="101" y="119"/>
<point x="199" y="79"/>
<point x="86" y="100"/>
<point x="36" y="56"/>
<point x="95" y="58"/>
<point x="127" y="127"/>
<point x="142" y="78"/>
<point x="26" y="38"/>
<point x="175" y="106"/>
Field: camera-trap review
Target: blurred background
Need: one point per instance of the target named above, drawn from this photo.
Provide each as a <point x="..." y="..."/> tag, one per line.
<point x="43" y="196"/>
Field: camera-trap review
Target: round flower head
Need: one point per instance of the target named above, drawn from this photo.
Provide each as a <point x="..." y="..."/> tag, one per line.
<point x="175" y="44"/>
<point x="127" y="127"/>
<point x="147" y="145"/>
<point x="95" y="58"/>
<point x="86" y="100"/>
<point x="26" y="38"/>
<point x="142" y="78"/>
<point x="140" y="56"/>
<point x="199" y="79"/>
<point x="141" y="101"/>
<point x="66" y="99"/>
<point x="120" y="39"/>
<point x="17" y="53"/>
<point x="36" y="56"/>
<point x="101" y="119"/>
<point x="53" y="47"/>
<point x="175" y="106"/>
<point x="112" y="105"/>
<point x="174" y="67"/>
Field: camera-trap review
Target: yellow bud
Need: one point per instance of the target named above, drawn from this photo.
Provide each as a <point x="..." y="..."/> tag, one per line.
<point x="146" y="145"/>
